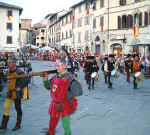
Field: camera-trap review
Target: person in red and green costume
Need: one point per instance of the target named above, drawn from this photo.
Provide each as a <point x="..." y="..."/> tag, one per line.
<point x="63" y="90"/>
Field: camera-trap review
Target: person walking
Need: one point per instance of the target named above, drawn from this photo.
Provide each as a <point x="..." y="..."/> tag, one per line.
<point x="63" y="90"/>
<point x="136" y="68"/>
<point x="128" y="67"/>
<point x="14" y="94"/>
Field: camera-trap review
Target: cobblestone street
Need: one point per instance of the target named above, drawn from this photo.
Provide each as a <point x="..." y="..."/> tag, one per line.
<point x="102" y="111"/>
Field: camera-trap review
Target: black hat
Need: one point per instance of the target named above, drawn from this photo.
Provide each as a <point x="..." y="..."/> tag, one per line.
<point x="90" y="57"/>
<point x="111" y="55"/>
<point x="128" y="55"/>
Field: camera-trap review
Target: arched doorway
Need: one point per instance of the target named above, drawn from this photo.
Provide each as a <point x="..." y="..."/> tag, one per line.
<point x="117" y="48"/>
<point x="97" y="45"/>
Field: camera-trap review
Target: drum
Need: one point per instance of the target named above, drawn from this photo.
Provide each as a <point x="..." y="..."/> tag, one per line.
<point x="93" y="75"/>
<point x="139" y="76"/>
<point x="115" y="73"/>
<point x="97" y="78"/>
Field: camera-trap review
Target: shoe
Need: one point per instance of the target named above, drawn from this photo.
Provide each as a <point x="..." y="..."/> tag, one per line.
<point x="18" y="123"/>
<point x="48" y="133"/>
<point x="4" y="122"/>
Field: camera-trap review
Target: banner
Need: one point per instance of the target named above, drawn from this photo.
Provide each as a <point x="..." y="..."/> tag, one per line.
<point x="136" y="31"/>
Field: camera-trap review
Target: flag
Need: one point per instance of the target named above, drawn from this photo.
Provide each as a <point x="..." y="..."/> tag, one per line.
<point x="87" y="12"/>
<point x="101" y="28"/>
<point x="136" y="31"/>
<point x="9" y="18"/>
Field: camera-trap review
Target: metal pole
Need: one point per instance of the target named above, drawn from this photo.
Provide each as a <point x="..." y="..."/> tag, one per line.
<point x="108" y="28"/>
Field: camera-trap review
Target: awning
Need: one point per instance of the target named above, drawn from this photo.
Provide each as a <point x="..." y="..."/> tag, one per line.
<point x="116" y="45"/>
<point x="143" y="42"/>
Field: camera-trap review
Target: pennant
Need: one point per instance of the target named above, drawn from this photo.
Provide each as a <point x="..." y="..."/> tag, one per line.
<point x="136" y="31"/>
<point x="101" y="28"/>
<point x="87" y="12"/>
<point x="9" y="18"/>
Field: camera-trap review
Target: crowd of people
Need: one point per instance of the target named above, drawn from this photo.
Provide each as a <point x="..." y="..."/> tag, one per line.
<point x="64" y="87"/>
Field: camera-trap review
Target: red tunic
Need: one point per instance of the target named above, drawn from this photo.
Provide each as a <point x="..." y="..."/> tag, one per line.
<point x="59" y="87"/>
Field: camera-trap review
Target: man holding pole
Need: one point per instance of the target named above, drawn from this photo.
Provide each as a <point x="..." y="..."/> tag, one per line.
<point x="63" y="90"/>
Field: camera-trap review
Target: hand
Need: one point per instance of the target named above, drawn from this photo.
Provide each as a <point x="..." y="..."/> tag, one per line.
<point x="45" y="77"/>
<point x="18" y="89"/>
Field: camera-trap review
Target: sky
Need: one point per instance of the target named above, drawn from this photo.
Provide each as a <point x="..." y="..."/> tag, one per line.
<point x="38" y="9"/>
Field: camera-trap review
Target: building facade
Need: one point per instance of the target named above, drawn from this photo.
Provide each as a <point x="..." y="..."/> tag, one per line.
<point x="26" y="32"/>
<point x="104" y="27"/>
<point x="9" y="27"/>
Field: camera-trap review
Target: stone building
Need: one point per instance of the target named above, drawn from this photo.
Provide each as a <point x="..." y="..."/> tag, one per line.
<point x="9" y="27"/>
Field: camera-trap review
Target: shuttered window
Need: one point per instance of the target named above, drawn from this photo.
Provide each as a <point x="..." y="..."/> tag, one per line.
<point x="119" y="22"/>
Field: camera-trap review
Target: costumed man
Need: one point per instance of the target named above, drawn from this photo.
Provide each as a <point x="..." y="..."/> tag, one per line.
<point x="128" y="67"/>
<point x="94" y="68"/>
<point x="88" y="70"/>
<point x="63" y="90"/>
<point x="105" y="69"/>
<point x="136" y="68"/>
<point x="14" y="94"/>
<point x="111" y="67"/>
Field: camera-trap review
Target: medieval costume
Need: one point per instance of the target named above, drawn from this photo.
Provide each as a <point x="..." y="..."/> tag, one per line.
<point x="63" y="90"/>
<point x="105" y="69"/>
<point x="111" y="67"/>
<point x="14" y="94"/>
<point x="128" y="67"/>
<point x="136" y="68"/>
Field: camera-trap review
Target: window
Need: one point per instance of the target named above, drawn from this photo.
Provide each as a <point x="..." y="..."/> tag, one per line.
<point x="94" y="23"/>
<point x="146" y="19"/>
<point x="79" y="37"/>
<point x="87" y="5"/>
<point x="130" y="21"/>
<point x="122" y="2"/>
<point x="42" y="38"/>
<point x="9" y="12"/>
<point x="9" y="39"/>
<point x="136" y="19"/>
<point x="87" y="35"/>
<point x="102" y="20"/>
<point x="43" y="45"/>
<point x="149" y="18"/>
<point x="9" y="26"/>
<point x="94" y="6"/>
<point x="70" y="33"/>
<point x="42" y="30"/>
<point x="119" y="22"/>
<point x="101" y="3"/>
<point x="66" y="19"/>
<point x="66" y="34"/>
<point x="140" y="19"/>
<point x="124" y="21"/>
<point x="62" y="36"/>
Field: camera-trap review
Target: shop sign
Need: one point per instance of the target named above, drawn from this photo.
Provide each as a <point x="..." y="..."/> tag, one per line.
<point x="116" y="36"/>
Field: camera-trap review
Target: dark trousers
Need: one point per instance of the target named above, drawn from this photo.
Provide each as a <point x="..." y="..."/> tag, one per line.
<point x="90" y="81"/>
<point x="128" y="75"/>
<point x="18" y="106"/>
<point x="109" y="80"/>
<point x="134" y="83"/>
